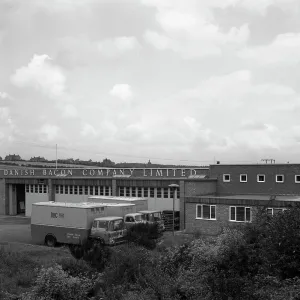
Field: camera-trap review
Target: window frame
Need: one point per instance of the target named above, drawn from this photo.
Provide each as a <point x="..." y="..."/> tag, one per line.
<point x="297" y="181"/>
<point x="224" y="180"/>
<point x="282" y="178"/>
<point x="258" y="178"/>
<point x="243" y="181"/>
<point x="282" y="209"/>
<point x="245" y="215"/>
<point x="210" y="208"/>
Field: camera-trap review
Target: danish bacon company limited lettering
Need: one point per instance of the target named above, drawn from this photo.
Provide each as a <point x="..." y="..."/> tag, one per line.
<point x="105" y="172"/>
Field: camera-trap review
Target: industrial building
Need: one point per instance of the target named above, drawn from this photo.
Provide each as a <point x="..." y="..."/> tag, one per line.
<point x="208" y="197"/>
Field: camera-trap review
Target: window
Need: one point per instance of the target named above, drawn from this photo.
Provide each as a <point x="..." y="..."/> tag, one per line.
<point x="226" y="177"/>
<point x="91" y="190"/>
<point x="102" y="188"/>
<point x="151" y="192"/>
<point x="45" y="189"/>
<point x="158" y="194"/>
<point x="71" y="189"/>
<point x="140" y="192"/>
<point x="146" y="192"/>
<point x="133" y="192"/>
<point x="56" y="189"/>
<point x="107" y="191"/>
<point x="273" y="211"/>
<point x="66" y="189"/>
<point x="31" y="188"/>
<point x="75" y="190"/>
<point x="205" y="212"/>
<point x="240" y="214"/>
<point x="96" y="190"/>
<point x="280" y="178"/>
<point x="243" y="178"/>
<point x="61" y="189"/>
<point x="166" y="192"/>
<point x="261" y="178"/>
<point x="27" y="188"/>
<point x="127" y="191"/>
<point x="86" y="190"/>
<point x="80" y="190"/>
<point x="121" y="191"/>
<point x="297" y="178"/>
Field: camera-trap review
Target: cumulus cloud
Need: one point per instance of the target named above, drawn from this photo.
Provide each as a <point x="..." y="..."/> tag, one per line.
<point x="88" y="130"/>
<point x="49" y="132"/>
<point x="122" y="91"/>
<point x="41" y="75"/>
<point x="283" y="50"/>
<point x="190" y="30"/>
<point x="118" y="46"/>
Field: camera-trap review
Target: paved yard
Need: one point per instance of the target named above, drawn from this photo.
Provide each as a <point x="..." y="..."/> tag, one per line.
<point x="15" y="229"/>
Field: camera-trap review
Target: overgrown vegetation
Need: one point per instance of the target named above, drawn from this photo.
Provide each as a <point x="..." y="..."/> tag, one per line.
<point x="260" y="261"/>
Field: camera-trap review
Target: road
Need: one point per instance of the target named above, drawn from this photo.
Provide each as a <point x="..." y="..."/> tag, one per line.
<point x="15" y="229"/>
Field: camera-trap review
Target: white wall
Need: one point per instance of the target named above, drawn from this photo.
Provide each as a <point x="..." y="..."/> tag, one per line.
<point x="33" y="198"/>
<point x="71" y="198"/>
<point x="162" y="204"/>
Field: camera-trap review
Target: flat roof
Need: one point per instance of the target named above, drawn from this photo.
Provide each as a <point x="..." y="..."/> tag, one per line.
<point x="117" y="204"/>
<point x="255" y="197"/>
<point x="117" y="198"/>
<point x="68" y="204"/>
<point x="148" y="211"/>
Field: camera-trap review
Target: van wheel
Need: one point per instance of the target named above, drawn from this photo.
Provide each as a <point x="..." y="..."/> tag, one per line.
<point x="50" y="241"/>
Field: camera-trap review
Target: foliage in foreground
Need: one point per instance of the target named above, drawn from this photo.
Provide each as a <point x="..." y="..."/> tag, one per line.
<point x="260" y="261"/>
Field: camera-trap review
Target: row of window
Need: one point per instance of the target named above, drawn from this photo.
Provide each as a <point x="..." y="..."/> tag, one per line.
<point x="236" y="213"/>
<point x="279" y="178"/>
<point x="83" y="190"/>
<point x="36" y="188"/>
<point x="148" y="192"/>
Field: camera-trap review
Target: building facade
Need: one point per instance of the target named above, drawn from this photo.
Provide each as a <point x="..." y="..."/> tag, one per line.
<point x="240" y="190"/>
<point x="19" y="188"/>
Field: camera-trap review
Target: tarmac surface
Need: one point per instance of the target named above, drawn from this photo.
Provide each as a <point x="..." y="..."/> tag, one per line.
<point x="15" y="229"/>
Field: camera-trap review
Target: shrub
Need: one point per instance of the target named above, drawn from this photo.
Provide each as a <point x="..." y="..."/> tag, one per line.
<point x="55" y="283"/>
<point x="144" y="234"/>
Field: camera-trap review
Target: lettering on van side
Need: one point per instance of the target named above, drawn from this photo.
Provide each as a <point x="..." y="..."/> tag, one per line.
<point x="57" y="215"/>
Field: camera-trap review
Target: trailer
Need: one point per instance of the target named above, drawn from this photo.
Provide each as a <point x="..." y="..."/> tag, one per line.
<point x="140" y="202"/>
<point x="70" y="223"/>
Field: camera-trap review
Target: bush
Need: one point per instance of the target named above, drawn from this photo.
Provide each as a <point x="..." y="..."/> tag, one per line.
<point x="144" y="234"/>
<point x="55" y="283"/>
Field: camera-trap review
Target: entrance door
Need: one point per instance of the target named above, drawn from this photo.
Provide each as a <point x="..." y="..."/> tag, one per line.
<point x="20" y="198"/>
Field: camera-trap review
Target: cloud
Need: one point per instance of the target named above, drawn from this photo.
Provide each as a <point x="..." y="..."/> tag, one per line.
<point x="118" y="46"/>
<point x="253" y="125"/>
<point x="88" y="130"/>
<point x="122" y="91"/>
<point x="283" y="50"/>
<point x="68" y="110"/>
<point x="49" y="132"/>
<point x="190" y="30"/>
<point x="41" y="75"/>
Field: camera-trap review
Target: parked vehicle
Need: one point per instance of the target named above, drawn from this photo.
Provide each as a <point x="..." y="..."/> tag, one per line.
<point x="153" y="216"/>
<point x="133" y="218"/>
<point x="71" y="223"/>
<point x="109" y="230"/>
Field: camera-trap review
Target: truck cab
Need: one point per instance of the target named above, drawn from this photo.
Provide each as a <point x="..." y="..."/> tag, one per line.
<point x="133" y="218"/>
<point x="153" y="216"/>
<point x="109" y="230"/>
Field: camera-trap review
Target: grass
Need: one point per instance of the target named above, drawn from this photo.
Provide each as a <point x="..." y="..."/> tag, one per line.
<point x="18" y="263"/>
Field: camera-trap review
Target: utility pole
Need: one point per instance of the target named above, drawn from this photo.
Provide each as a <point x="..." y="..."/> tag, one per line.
<point x="56" y="157"/>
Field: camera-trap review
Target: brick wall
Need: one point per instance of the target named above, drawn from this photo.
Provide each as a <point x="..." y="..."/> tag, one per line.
<point x="198" y="188"/>
<point x="252" y="186"/>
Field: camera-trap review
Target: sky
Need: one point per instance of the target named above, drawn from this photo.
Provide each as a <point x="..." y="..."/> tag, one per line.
<point x="172" y="81"/>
